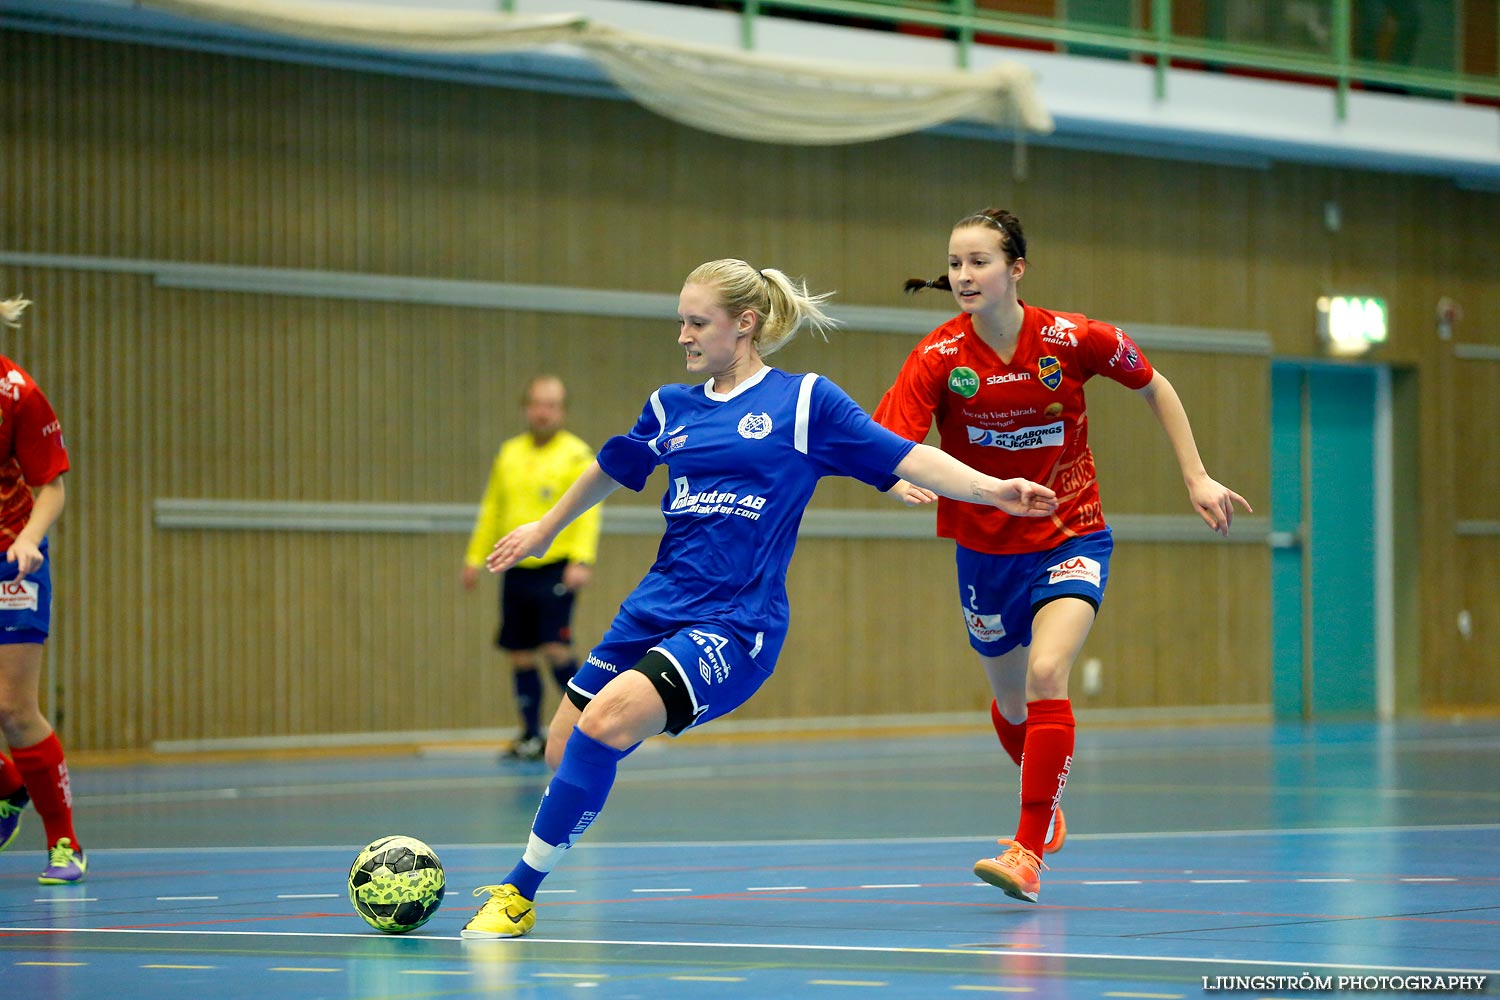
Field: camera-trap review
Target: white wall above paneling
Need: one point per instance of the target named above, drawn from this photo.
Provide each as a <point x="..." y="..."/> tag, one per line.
<point x="1105" y="104"/>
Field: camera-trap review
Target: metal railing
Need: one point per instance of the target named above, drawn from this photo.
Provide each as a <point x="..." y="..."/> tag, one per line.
<point x="1149" y="35"/>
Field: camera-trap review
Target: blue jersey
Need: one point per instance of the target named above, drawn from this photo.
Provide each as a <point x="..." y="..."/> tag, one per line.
<point x="743" y="466"/>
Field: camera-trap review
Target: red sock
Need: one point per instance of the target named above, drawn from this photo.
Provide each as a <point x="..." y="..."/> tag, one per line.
<point x="46" y="774"/>
<point x="1012" y="734"/>
<point x="1044" y="772"/>
<point x="10" y="778"/>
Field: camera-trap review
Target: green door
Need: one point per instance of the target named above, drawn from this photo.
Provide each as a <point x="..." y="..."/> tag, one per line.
<point x="1330" y="528"/>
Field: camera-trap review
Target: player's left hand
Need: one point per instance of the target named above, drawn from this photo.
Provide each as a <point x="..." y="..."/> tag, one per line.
<point x="1215" y="502"/>
<point x="911" y="494"/>
<point x="527" y="540"/>
<point x="1023" y="498"/>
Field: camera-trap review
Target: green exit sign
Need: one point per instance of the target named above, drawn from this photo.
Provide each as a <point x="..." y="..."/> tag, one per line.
<point x="1349" y="325"/>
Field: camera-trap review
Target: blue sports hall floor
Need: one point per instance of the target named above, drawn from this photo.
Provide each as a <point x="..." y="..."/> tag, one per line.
<point x="1254" y="859"/>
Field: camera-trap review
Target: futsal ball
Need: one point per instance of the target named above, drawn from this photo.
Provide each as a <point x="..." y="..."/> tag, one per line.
<point x="396" y="884"/>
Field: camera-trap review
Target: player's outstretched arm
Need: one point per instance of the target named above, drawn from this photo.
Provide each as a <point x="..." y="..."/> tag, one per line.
<point x="534" y="539"/>
<point x="940" y="472"/>
<point x="1213" y="501"/>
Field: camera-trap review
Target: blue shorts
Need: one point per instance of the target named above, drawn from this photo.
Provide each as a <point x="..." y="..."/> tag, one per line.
<point x="1000" y="594"/>
<point x="720" y="665"/>
<point x="26" y="607"/>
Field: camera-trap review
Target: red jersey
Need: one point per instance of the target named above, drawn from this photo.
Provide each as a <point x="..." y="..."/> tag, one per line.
<point x="1025" y="418"/>
<point x="31" y="447"/>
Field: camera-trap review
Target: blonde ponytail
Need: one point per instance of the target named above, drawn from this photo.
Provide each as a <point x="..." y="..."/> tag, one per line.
<point x="10" y="310"/>
<point x="780" y="304"/>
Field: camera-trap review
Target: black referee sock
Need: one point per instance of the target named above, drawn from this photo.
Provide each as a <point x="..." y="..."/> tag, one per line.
<point x="563" y="672"/>
<point x="529" y="701"/>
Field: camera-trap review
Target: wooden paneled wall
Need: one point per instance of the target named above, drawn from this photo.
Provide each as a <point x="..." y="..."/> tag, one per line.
<point x="140" y="154"/>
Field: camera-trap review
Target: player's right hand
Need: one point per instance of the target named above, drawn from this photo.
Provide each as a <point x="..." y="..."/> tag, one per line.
<point x="1023" y="498"/>
<point x="27" y="557"/>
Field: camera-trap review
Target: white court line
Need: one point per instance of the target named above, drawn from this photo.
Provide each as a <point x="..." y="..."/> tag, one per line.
<point x="164" y="965"/>
<point x="570" y="975"/>
<point x="661" y="890"/>
<point x="1218" y="962"/>
<point x="182" y="899"/>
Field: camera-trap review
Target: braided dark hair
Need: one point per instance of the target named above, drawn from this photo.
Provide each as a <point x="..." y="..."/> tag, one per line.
<point x="1012" y="243"/>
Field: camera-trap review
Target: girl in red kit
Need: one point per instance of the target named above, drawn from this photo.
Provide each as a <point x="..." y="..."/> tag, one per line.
<point x="32" y="461"/>
<point x="1004" y="381"/>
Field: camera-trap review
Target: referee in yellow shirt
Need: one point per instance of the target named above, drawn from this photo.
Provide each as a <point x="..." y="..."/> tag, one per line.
<point x="536" y="597"/>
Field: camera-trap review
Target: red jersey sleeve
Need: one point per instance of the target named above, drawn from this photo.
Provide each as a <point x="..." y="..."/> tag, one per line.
<point x="909" y="405"/>
<point x="1107" y="350"/>
<point x="906" y="408"/>
<point x="38" y="442"/>
<point x="31" y="448"/>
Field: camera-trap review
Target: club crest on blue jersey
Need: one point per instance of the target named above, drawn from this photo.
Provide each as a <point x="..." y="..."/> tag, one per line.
<point x="755" y="426"/>
<point x="1049" y="371"/>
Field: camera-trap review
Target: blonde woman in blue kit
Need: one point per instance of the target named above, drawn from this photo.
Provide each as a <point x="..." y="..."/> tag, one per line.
<point x="744" y="445"/>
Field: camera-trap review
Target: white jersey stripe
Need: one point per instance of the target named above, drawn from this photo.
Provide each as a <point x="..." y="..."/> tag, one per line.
<point x="661" y="420"/>
<point x="804" y="410"/>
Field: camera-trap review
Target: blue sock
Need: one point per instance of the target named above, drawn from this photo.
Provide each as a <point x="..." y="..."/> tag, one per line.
<point x="528" y="685"/>
<point x="572" y="800"/>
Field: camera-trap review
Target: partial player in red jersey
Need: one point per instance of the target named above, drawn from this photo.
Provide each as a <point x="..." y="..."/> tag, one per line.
<point x="1004" y="381"/>
<point x="32" y="461"/>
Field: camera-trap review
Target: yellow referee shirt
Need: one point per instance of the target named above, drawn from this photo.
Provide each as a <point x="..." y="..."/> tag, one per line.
<point x="525" y="481"/>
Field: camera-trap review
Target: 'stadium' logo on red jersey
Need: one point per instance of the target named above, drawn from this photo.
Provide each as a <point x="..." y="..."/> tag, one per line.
<point x="1049" y="371"/>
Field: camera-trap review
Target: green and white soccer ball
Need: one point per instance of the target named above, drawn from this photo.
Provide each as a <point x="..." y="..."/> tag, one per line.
<point x="396" y="884"/>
